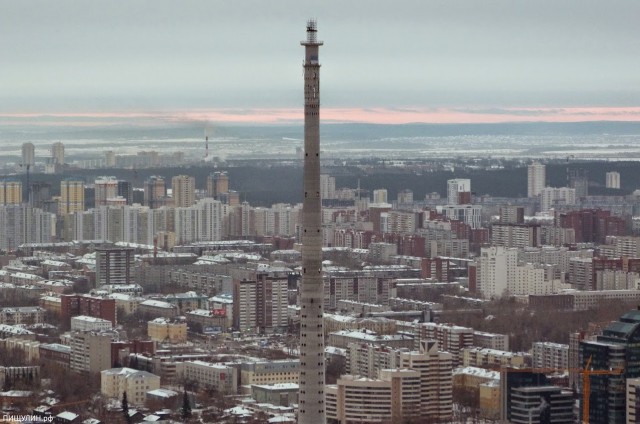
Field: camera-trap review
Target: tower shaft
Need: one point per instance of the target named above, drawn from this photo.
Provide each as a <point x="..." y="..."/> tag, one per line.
<point x="311" y="396"/>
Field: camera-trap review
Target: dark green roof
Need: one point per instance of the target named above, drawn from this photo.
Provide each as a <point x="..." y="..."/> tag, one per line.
<point x="631" y="316"/>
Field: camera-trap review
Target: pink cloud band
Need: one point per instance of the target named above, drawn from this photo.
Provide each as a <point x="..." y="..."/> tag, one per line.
<point x="337" y="115"/>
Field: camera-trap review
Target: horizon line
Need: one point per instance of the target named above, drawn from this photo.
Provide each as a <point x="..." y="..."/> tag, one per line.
<point x="329" y="115"/>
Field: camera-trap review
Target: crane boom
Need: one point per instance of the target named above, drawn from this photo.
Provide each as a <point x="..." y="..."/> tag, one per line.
<point x="586" y="373"/>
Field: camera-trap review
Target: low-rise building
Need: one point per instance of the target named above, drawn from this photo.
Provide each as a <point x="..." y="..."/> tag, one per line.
<point x="126" y="303"/>
<point x="166" y="330"/>
<point x="223" y="301"/>
<point x="379" y="325"/>
<point x="284" y="394"/>
<point x="493" y="358"/>
<point x="115" y="381"/>
<point x="270" y="372"/>
<point x="470" y="378"/>
<point x="29" y="348"/>
<point x="491" y="340"/>
<point x="221" y="377"/>
<point x="52" y="304"/>
<point x="208" y="321"/>
<point x="22" y="315"/>
<point x="16" y="331"/>
<point x="344" y="338"/>
<point x="186" y="302"/>
<point x="158" y="308"/>
<point x="55" y="354"/>
<point x="84" y="323"/>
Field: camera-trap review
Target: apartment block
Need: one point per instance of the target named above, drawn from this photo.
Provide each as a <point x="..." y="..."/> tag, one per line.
<point x="270" y="372"/>
<point x="166" y="330"/>
<point x="491" y="358"/>
<point x="85" y="323"/>
<point x="222" y="377"/>
<point x="261" y="305"/>
<point x="449" y="338"/>
<point x="115" y="381"/>
<point x="393" y="397"/>
<point x="550" y="355"/>
<point x="491" y="340"/>
<point x="75" y="305"/>
<point x="91" y="351"/>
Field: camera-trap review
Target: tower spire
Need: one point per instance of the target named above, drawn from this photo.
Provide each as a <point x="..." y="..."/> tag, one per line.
<point x="311" y="396"/>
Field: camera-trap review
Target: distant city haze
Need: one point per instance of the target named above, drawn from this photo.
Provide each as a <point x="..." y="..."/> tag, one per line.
<point x="385" y="62"/>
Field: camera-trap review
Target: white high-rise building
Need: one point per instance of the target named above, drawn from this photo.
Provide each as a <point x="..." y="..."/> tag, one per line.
<point x="497" y="268"/>
<point x="327" y="186"/>
<point x="432" y="379"/>
<point x="469" y="214"/>
<point x="57" y="153"/>
<point x="536" y="179"/>
<point x="455" y="187"/>
<point x="552" y="196"/>
<point x="380" y="195"/>
<point x="613" y="180"/>
<point x="23" y="224"/>
<point x="28" y="154"/>
<point x="105" y="188"/>
<point x="200" y="222"/>
<point x="110" y="159"/>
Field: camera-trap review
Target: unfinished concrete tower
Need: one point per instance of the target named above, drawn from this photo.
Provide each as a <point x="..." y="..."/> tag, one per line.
<point x="311" y="395"/>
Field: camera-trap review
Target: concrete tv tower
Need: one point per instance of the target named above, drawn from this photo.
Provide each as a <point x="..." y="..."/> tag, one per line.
<point x="311" y="395"/>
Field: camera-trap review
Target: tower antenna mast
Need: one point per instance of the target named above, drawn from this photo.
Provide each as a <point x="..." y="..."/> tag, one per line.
<point x="311" y="396"/>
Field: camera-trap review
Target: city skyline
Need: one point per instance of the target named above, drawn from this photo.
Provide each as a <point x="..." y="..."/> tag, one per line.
<point x="459" y="62"/>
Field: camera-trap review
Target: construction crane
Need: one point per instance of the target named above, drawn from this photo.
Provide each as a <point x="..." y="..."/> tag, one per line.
<point x="586" y="373"/>
<point x="586" y="386"/>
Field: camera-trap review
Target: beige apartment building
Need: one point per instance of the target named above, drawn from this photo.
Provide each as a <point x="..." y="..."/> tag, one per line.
<point x="166" y="330"/>
<point x="91" y="350"/>
<point x="71" y="196"/>
<point x="270" y="372"/>
<point x="184" y="191"/>
<point x="434" y="368"/>
<point x="115" y="381"/>
<point x="393" y="397"/>
<point x="10" y="192"/>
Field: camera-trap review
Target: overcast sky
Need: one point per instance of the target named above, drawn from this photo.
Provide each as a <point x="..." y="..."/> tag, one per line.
<point x="65" y="56"/>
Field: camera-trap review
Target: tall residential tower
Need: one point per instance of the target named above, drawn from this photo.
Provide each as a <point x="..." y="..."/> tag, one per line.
<point x="311" y="395"/>
<point x="28" y="154"/>
<point x="536" y="179"/>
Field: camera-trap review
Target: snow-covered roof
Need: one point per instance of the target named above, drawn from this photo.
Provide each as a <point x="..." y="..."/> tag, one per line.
<point x="478" y="372"/>
<point x="66" y="415"/>
<point x="157" y="304"/>
<point x="165" y="393"/>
